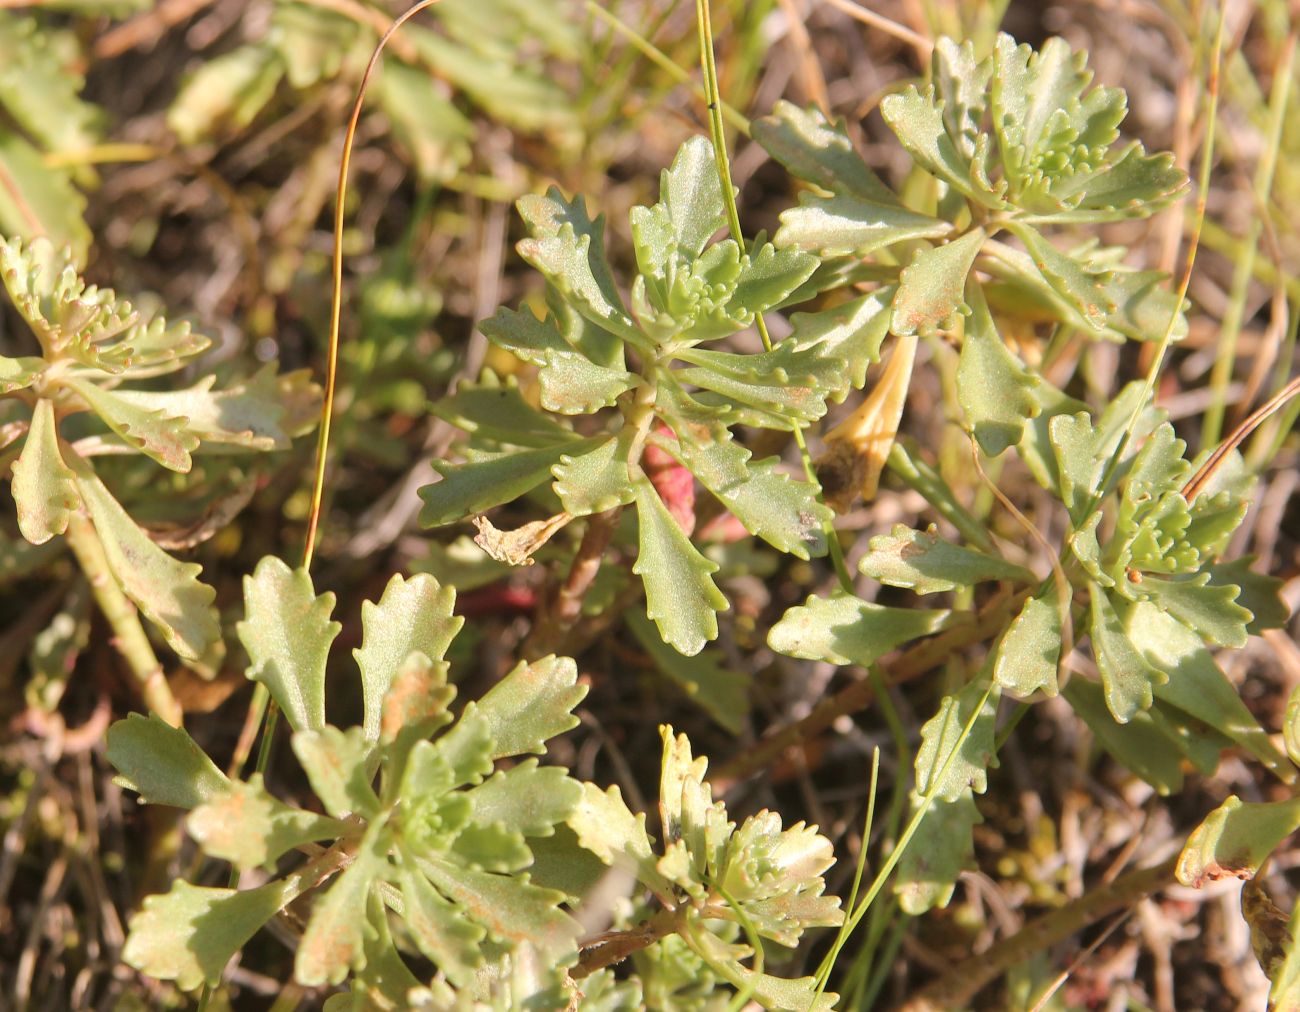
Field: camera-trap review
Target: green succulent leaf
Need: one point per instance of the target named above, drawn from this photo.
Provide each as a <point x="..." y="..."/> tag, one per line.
<point x="225" y="93"/>
<point x="531" y="705"/>
<point x="1197" y="685"/>
<point x="1140" y="745"/>
<point x="845" y="630"/>
<point x="716" y="689"/>
<point x="249" y="827"/>
<point x="848" y="225"/>
<point x="851" y="332"/>
<point x="598" y="479"/>
<point x="163" y="764"/>
<point x="921" y="562"/>
<point x="1235" y="839"/>
<point x="335" y="939"/>
<point x="819" y="151"/>
<point x="287" y="632"/>
<point x="930" y="288"/>
<point x="36" y="200"/>
<point x="39" y="88"/>
<point x="941" y="848"/>
<point x="44" y="487"/>
<point x="995" y="390"/>
<point x="1135" y="183"/>
<point x="1079" y="283"/>
<point x="472" y="488"/>
<point x="167" y="591"/>
<point x="950" y="761"/>
<point x="509" y="906"/>
<point x="425" y="121"/>
<point x="1210" y="609"/>
<point x="414" y="616"/>
<point x="680" y="596"/>
<point x="189" y="933"/>
<point x="1127" y="678"/>
<point x="1259" y="593"/>
<point x="961" y="85"/>
<point x="439" y="928"/>
<point x="335" y="763"/>
<point x="500" y="413"/>
<point x="525" y="799"/>
<point x="166" y="438"/>
<point x="1028" y="655"/>
<point x="569" y="249"/>
<point x="788" y="382"/>
<point x="918" y="121"/>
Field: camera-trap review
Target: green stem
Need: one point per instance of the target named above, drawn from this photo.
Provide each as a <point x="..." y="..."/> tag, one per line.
<point x="718" y="134"/>
<point x="128" y="634"/>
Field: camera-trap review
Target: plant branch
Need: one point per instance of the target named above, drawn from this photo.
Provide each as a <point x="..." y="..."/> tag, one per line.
<point x="567" y="606"/>
<point x="612" y="947"/>
<point x="128" y="634"/>
<point x="958" y="986"/>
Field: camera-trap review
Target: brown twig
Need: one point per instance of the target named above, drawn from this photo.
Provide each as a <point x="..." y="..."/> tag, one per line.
<point x="957" y="987"/>
<point x="612" y="947"/>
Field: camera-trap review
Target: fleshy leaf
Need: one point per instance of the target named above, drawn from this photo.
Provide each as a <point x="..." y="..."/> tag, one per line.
<point x="939" y="851"/>
<point x="531" y="705"/>
<point x="335" y="938"/>
<point x="1258" y="593"/>
<point x="846" y="225"/>
<point x="525" y="799"/>
<point x="942" y="767"/>
<point x="845" y="630"/>
<point x="166" y="590"/>
<point x="851" y="332"/>
<point x="1235" y="838"/>
<point x="439" y="928"/>
<point x="596" y="480"/>
<point x="413" y="616"/>
<point x="248" y="826"/>
<point x="287" y="632"/>
<point x="818" y="151"/>
<point x="510" y="907"/>
<point x="930" y="288"/>
<point x="500" y="413"/>
<point x="163" y="764"/>
<point x="719" y="691"/>
<point x="916" y="119"/>
<point x="44" y="488"/>
<point x="1208" y="608"/>
<point x="1028" y="655"/>
<point x="1140" y="745"/>
<point x="467" y="489"/>
<point x="921" y="562"/>
<point x="994" y="389"/>
<point x="606" y="827"/>
<point x="225" y="93"/>
<point x="335" y="763"/>
<point x="680" y="596"/>
<point x="1078" y="283"/>
<point x="189" y="933"/>
<point x="1127" y="678"/>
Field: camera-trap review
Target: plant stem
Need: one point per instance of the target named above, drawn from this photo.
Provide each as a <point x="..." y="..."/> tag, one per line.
<point x="959" y="985"/>
<point x="615" y="946"/>
<point x="567" y="606"/>
<point x="128" y="634"/>
<point x="859" y="694"/>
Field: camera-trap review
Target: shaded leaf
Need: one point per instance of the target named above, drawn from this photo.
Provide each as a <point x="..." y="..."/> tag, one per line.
<point x="162" y="764"/>
<point x="940" y="850"/>
<point x="950" y="761"/>
<point x="816" y="150"/>
<point x="995" y="390"/>
<point x="509" y="906"/>
<point x="1127" y="678"/>
<point x="44" y="489"/>
<point x="1139" y="745"/>
<point x="335" y="763"/>
<point x="440" y="929"/>
<point x="1234" y="840"/>
<point x="1028" y="655"/>
<point x="166" y="590"/>
<point x="500" y="413"/>
<point x="720" y="692"/>
<point x="851" y="332"/>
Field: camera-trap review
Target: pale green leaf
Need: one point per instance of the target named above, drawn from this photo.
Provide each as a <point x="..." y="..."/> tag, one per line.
<point x="1081" y="285"/>
<point x="190" y="933"/>
<point x="596" y="480"/>
<point x="439" y="928"/>
<point x="951" y="761"/>
<point x="680" y="595"/>
<point x="961" y="84"/>
<point x="691" y="194"/>
<point x="1028" y="655"/>
<point x="1139" y="745"/>
<point x="414" y="616"/>
<point x="249" y="827"/>
<point x="166" y="590"/>
<point x="39" y="86"/>
<point x="164" y="437"/>
<point x="287" y="632"/>
<point x="500" y="413"/>
<point x="995" y="390"/>
<point x="334" y="941"/>
<point x="1235" y="838"/>
<point x="851" y="332"/>
<point x="36" y="200"/>
<point x="162" y="764"/>
<point x="845" y="630"/>
<point x="816" y="150"/>
<point x="525" y="799"/>
<point x="1209" y="609"/>
<point x="1197" y="685"/>
<point x="938" y="852"/>
<point x="44" y="487"/>
<point x="847" y="225"/>
<point x="917" y="120"/>
<point x="425" y="121"/>
<point x="531" y="705"/>
<point x="606" y="826"/>
<point x="336" y="764"/>
<point x="930" y="288"/>
<point x="920" y="561"/>
<point x="1127" y="678"/>
<point x="469" y="489"/>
